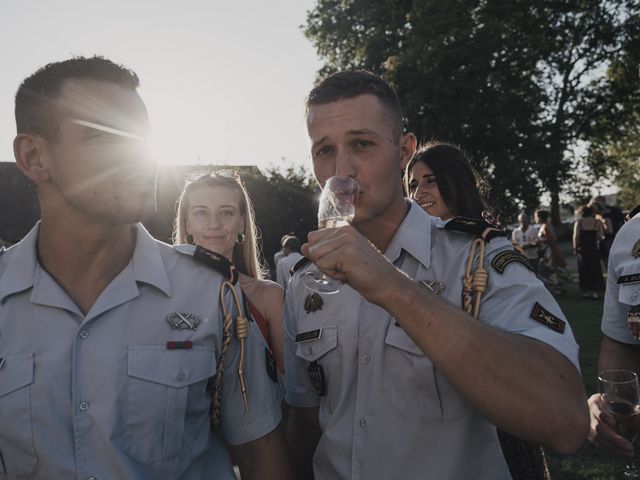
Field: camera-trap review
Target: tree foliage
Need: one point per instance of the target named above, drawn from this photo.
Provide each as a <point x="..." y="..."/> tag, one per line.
<point x="515" y="82"/>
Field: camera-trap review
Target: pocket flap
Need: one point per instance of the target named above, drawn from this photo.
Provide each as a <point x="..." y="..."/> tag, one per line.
<point x="396" y="337"/>
<point x="16" y="372"/>
<point x="175" y="368"/>
<point x="629" y="294"/>
<point x="312" y="350"/>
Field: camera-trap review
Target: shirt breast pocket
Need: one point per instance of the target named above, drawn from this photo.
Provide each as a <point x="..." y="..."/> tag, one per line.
<point x="166" y="389"/>
<point x="416" y="389"/>
<point x="324" y="350"/>
<point x="17" y="451"/>
<point x="629" y="294"/>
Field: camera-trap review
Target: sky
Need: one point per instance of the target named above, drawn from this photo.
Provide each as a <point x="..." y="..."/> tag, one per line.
<point x="224" y="81"/>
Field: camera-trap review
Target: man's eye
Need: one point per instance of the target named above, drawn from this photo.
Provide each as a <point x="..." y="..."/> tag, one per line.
<point x="362" y="143"/>
<point x="322" y="151"/>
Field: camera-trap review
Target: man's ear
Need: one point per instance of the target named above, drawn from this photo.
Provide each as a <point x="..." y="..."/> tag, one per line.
<point x="29" y="152"/>
<point x="408" y="145"/>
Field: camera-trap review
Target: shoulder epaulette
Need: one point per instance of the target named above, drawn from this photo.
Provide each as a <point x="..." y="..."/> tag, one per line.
<point x="301" y="263"/>
<point x="218" y="262"/>
<point x="632" y="213"/>
<point x="479" y="228"/>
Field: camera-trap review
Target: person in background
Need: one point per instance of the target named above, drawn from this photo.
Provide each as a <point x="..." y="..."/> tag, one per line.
<point x="552" y="266"/>
<point x="587" y="232"/>
<point x="389" y="377"/>
<point x="526" y="236"/>
<point x="110" y="340"/>
<point x="442" y="181"/>
<point x="604" y="217"/>
<point x="291" y="249"/>
<point x="278" y="255"/>
<point x="214" y="211"/>
<point x="620" y="348"/>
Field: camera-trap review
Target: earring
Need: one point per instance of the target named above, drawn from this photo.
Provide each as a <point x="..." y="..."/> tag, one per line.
<point x="189" y="239"/>
<point x="240" y="239"/>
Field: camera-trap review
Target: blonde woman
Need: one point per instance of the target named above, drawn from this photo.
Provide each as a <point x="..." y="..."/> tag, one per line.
<point x="215" y="212"/>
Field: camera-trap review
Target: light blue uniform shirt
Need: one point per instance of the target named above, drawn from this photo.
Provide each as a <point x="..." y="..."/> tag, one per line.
<point x="619" y="299"/>
<point x="101" y="396"/>
<point x="388" y="413"/>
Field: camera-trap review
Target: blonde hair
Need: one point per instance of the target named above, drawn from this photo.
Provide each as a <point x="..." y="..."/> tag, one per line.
<point x="246" y="257"/>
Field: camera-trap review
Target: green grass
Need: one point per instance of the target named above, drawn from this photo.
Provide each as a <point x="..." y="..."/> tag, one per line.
<point x="589" y="463"/>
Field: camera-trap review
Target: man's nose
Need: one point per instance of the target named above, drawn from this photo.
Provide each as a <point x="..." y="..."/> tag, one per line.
<point x="344" y="164"/>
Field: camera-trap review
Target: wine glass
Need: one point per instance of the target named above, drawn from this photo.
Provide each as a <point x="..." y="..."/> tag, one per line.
<point x="621" y="398"/>
<point x="337" y="208"/>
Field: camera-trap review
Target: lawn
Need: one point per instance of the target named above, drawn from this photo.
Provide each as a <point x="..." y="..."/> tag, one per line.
<point x="588" y="463"/>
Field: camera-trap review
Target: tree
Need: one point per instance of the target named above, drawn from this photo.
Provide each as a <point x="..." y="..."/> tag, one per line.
<point x="515" y="82"/>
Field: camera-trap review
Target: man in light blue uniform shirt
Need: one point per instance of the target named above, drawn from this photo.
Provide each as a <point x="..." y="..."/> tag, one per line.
<point x="620" y="348"/>
<point x="390" y="378"/>
<point x="109" y="339"/>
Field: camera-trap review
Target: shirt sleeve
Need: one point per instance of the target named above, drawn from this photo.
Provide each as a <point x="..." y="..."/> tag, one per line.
<point x="299" y="390"/>
<point x="516" y="301"/>
<point x="264" y="395"/>
<point x="619" y="299"/>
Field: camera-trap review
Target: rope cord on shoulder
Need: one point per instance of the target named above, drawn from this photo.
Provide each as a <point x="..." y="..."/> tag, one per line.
<point x="474" y="282"/>
<point x="242" y="331"/>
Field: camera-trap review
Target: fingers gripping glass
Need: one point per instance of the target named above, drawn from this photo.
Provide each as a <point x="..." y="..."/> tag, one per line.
<point x="621" y="398"/>
<point x="337" y="208"/>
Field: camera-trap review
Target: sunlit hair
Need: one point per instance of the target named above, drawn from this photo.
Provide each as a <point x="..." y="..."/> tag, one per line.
<point x="461" y="187"/>
<point x="351" y="84"/>
<point x="245" y="256"/>
<point x="35" y="102"/>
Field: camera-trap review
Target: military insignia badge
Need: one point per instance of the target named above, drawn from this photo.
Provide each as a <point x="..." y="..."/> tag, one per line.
<point x="635" y="251"/>
<point x="548" y="319"/>
<point x="272" y="367"/>
<point x="316" y="375"/>
<point x="435" y="286"/>
<point x="313" y="303"/>
<point x="183" y="321"/>
<point x="633" y="322"/>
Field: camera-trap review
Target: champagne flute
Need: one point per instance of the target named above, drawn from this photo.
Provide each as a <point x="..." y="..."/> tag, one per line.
<point x="337" y="208"/>
<point x="621" y="397"/>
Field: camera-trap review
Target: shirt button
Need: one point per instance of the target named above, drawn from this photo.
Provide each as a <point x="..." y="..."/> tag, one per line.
<point x="84" y="333"/>
<point x="366" y="358"/>
<point x="362" y="422"/>
<point x="181" y="376"/>
<point x="84" y="406"/>
<point x="635" y="296"/>
<point x="92" y="478"/>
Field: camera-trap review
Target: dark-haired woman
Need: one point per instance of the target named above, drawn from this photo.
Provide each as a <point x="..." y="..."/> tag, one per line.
<point x="441" y="180"/>
<point x="587" y="232"/>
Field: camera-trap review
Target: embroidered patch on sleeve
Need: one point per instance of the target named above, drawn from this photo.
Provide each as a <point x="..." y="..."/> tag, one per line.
<point x="544" y="316"/>
<point x="503" y="259"/>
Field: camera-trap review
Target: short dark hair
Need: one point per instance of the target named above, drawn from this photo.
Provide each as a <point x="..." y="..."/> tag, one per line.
<point x="543" y="215"/>
<point x="353" y="83"/>
<point x="35" y="106"/>
<point x="292" y="243"/>
<point x="460" y="185"/>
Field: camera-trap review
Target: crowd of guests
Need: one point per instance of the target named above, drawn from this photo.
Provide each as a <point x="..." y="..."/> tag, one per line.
<point x="442" y="355"/>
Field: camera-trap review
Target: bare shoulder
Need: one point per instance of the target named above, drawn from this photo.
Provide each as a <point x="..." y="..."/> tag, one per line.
<point x="264" y="294"/>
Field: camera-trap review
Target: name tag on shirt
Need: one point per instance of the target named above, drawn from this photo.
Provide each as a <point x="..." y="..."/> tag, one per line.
<point x="311" y="335"/>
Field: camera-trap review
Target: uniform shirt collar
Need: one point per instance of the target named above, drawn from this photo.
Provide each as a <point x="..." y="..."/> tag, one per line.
<point x="413" y="236"/>
<point x="146" y="263"/>
<point x="148" y="266"/>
